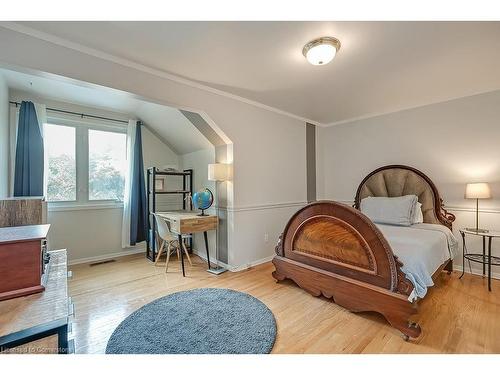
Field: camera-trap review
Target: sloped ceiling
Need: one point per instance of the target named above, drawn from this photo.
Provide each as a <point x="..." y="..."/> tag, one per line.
<point x="171" y="126"/>
<point x="381" y="67"/>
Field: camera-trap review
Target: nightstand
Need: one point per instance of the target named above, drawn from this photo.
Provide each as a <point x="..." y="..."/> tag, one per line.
<point x="484" y="259"/>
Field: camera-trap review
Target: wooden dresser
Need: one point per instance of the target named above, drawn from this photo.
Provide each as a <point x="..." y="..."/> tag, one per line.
<point x="22" y="260"/>
<point x="38" y="316"/>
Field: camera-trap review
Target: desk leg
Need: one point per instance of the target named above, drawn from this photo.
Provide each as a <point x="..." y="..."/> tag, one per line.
<point x="489" y="263"/>
<point x="179" y="237"/>
<point x="206" y="247"/>
<point x="463" y="255"/>
<point x="484" y="255"/>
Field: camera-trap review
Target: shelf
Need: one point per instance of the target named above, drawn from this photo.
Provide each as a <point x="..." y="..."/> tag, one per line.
<point x="171" y="192"/>
<point x="153" y="195"/>
<point x="173" y="173"/>
<point x="478" y="258"/>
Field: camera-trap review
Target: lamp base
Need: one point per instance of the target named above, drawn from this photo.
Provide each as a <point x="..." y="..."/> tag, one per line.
<point x="477" y="230"/>
<point x="217" y="270"/>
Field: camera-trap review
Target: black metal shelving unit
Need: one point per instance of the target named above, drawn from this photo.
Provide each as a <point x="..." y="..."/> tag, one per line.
<point x="187" y="190"/>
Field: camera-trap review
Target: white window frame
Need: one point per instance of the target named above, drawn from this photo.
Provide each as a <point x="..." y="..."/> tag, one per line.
<point x="82" y="127"/>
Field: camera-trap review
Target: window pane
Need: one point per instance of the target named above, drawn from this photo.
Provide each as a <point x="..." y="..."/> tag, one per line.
<point x="107" y="164"/>
<point x="60" y="145"/>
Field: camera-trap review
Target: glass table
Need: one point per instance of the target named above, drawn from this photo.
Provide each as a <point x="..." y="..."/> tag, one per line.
<point x="486" y="259"/>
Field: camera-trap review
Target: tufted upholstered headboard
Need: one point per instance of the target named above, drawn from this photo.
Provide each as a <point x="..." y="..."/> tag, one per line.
<point x="398" y="180"/>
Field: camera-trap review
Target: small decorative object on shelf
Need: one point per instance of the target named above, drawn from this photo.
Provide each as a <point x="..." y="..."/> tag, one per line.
<point x="479" y="190"/>
<point x="484" y="259"/>
<point x="170" y="168"/>
<point x="203" y="200"/>
<point x="160" y="184"/>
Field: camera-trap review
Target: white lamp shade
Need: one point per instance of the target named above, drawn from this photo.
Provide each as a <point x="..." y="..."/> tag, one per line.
<point x="219" y="172"/>
<point x="479" y="190"/>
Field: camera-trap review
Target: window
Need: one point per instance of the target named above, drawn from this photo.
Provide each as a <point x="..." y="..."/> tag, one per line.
<point x="61" y="155"/>
<point x="107" y="165"/>
<point x="86" y="162"/>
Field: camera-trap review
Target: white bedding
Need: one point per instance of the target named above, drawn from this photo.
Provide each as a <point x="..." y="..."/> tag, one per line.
<point x="422" y="248"/>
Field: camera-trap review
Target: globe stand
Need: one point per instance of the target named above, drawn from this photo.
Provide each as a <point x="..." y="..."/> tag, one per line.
<point x="197" y="204"/>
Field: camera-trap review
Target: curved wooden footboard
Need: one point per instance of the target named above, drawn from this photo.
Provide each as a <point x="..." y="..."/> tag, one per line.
<point x="332" y="249"/>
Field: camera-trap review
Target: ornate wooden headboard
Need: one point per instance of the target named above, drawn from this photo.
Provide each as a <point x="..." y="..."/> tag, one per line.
<point x="399" y="180"/>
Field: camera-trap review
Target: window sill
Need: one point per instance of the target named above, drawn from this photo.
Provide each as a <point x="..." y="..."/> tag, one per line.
<point x="70" y="206"/>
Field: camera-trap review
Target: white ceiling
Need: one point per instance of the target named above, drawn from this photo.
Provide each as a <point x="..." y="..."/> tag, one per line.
<point x="381" y="67"/>
<point x="168" y="123"/>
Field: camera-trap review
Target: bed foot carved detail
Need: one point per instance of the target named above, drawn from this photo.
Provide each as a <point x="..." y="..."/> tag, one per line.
<point x="410" y="330"/>
<point x="351" y="294"/>
<point x="278" y="276"/>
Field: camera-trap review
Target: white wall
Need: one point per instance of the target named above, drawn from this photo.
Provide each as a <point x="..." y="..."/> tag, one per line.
<point x="198" y="161"/>
<point x="90" y="232"/>
<point x="268" y="147"/>
<point x="4" y="138"/>
<point x="156" y="154"/>
<point x="453" y="143"/>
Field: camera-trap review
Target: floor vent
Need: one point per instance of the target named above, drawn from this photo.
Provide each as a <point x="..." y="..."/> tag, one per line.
<point x="102" y="262"/>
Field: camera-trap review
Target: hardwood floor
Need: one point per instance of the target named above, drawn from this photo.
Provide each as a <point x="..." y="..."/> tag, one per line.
<point x="457" y="316"/>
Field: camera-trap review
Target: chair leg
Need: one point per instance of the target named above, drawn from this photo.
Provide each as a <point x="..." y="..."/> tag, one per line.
<point x="186" y="252"/>
<point x="159" y="252"/>
<point x="168" y="256"/>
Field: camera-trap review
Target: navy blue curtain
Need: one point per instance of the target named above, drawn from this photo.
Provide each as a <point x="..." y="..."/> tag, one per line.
<point x="28" y="168"/>
<point x="138" y="214"/>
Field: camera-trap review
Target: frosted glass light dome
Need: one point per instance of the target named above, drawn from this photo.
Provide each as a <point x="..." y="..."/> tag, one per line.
<point x="321" y="51"/>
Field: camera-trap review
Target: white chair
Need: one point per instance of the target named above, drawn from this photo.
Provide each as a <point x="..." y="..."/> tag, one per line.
<point x="170" y="240"/>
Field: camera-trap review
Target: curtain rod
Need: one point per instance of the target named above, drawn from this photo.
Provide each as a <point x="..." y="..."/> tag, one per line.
<point x="82" y="115"/>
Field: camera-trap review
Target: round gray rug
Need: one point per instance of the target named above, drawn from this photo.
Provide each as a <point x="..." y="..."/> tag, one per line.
<point x="211" y="321"/>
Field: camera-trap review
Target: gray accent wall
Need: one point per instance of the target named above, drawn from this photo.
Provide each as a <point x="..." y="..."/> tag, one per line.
<point x="311" y="161"/>
<point x="204" y="127"/>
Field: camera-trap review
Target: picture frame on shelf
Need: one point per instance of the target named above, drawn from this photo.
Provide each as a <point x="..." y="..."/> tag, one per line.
<point x="160" y="183"/>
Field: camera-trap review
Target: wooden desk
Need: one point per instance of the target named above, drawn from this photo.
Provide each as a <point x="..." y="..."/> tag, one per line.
<point x="29" y="318"/>
<point x="186" y="222"/>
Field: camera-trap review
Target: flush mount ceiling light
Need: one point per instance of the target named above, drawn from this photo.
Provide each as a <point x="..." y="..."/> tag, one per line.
<point x="322" y="50"/>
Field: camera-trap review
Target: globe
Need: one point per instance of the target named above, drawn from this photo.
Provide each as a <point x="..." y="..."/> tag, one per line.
<point x="203" y="200"/>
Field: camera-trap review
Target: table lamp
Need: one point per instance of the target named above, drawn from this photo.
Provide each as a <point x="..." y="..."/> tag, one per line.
<point x="477" y="191"/>
<point x="218" y="172"/>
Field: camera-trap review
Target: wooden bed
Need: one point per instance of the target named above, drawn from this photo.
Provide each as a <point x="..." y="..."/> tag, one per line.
<point x="332" y="249"/>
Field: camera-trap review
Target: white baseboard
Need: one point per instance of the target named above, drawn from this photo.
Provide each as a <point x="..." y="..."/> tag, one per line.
<point x="494" y="275"/>
<point x="236" y="268"/>
<point x="252" y="264"/>
<point x="107" y="256"/>
<point x="203" y="256"/>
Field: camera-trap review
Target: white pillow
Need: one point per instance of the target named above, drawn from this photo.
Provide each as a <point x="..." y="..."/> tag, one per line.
<point x="385" y="210"/>
<point x="418" y="215"/>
